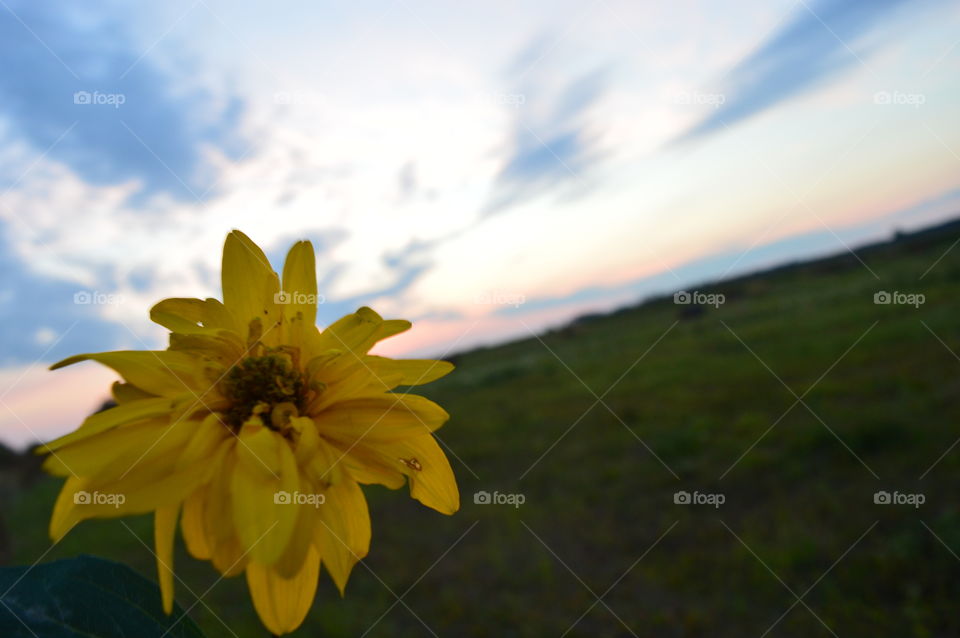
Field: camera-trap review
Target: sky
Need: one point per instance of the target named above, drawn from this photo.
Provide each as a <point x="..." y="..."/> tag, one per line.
<point x="486" y="170"/>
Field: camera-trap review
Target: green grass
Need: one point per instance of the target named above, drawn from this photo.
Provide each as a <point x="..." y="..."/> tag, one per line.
<point x="598" y="498"/>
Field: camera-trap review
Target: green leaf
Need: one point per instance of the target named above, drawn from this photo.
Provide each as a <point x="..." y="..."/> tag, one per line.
<point x="85" y="597"/>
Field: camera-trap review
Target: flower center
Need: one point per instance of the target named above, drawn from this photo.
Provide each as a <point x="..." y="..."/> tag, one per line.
<point x="268" y="385"/>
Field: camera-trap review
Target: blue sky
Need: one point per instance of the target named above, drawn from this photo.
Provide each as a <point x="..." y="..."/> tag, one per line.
<point x="446" y="160"/>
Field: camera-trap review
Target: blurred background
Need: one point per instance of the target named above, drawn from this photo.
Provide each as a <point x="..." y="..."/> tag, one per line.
<point x="695" y="263"/>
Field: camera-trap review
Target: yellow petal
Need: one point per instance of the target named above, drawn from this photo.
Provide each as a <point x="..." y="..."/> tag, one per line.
<point x="127" y="392"/>
<point x="358" y="332"/>
<point x="164" y="527"/>
<point x="384" y="418"/>
<point x="132" y="470"/>
<point x="433" y="483"/>
<point x="326" y="466"/>
<point x="419" y="458"/>
<point x="125" y="451"/>
<point x="265" y="468"/>
<point x="319" y="462"/>
<point x="396" y="372"/>
<point x="162" y="372"/>
<point x="390" y="328"/>
<point x="128" y="413"/>
<point x="300" y="284"/>
<point x="193" y="316"/>
<point x="65" y="514"/>
<point x="191" y="525"/>
<point x="283" y="603"/>
<point x="222" y="346"/>
<point x="204" y="443"/>
<point x="81" y="499"/>
<point x="341" y="379"/>
<point x="366" y="474"/>
<point x="249" y="283"/>
<point x="292" y="558"/>
<point x="226" y="553"/>
<point x="344" y="532"/>
<point x="307" y="439"/>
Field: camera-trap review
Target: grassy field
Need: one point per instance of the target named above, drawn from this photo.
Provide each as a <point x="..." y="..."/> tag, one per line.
<point x="796" y="400"/>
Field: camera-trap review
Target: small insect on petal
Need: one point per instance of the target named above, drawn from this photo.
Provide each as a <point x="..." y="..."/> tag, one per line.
<point x="412" y="463"/>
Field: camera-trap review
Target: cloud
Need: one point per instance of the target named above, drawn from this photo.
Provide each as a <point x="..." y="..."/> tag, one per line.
<point x="50" y="319"/>
<point x="819" y="42"/>
<point x="79" y="88"/>
<point x="552" y="143"/>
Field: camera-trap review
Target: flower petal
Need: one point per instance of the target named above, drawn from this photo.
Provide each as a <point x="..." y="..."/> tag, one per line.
<point x="265" y="468"/>
<point x="191" y="525"/>
<point x="342" y="377"/>
<point x="162" y="372"/>
<point x="292" y="558"/>
<point x="383" y="418"/>
<point x="126" y="414"/>
<point x="221" y="346"/>
<point x="189" y="316"/>
<point x="164" y="527"/>
<point x="226" y="553"/>
<point x="344" y="530"/>
<point x="127" y="392"/>
<point x="249" y="283"/>
<point x="109" y="455"/>
<point x="395" y="372"/>
<point x="419" y="458"/>
<point x="65" y="514"/>
<point x="152" y="486"/>
<point x="283" y="603"/>
<point x="358" y="332"/>
<point x="300" y="283"/>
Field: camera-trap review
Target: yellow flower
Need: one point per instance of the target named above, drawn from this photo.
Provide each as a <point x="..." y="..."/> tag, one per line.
<point x="255" y="429"/>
